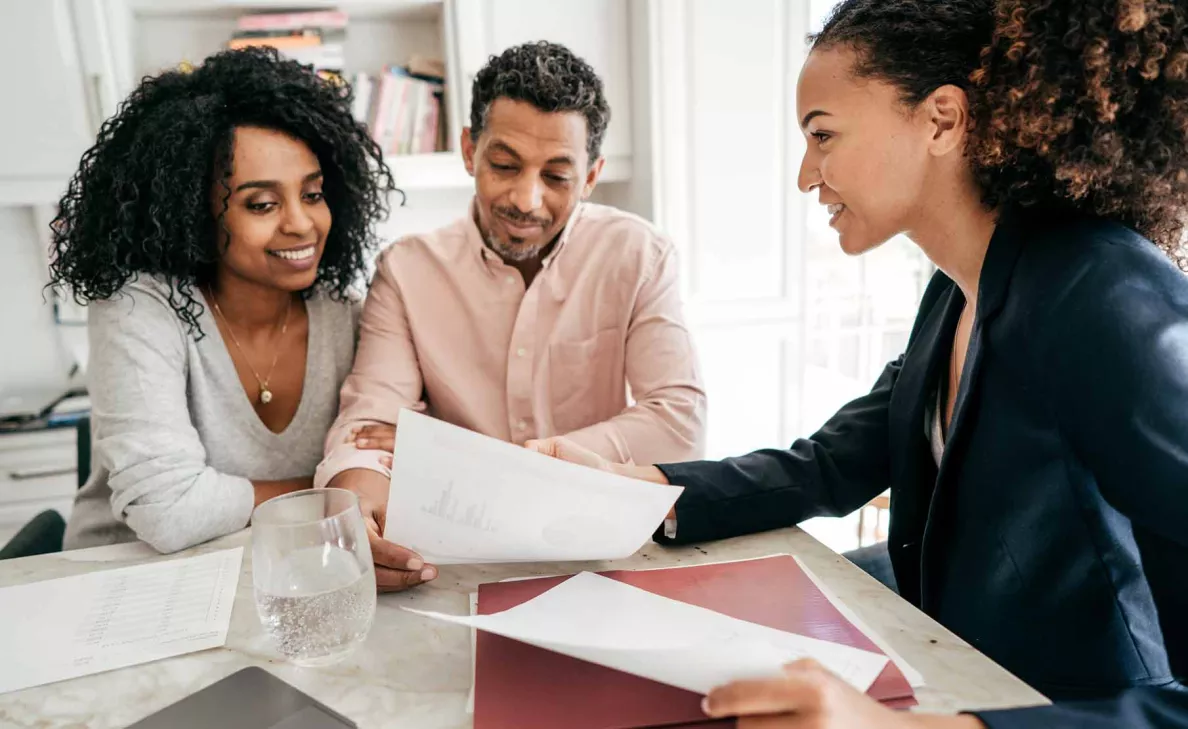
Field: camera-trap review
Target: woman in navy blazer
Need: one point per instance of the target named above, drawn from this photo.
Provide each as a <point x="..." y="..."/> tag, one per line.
<point x="1035" y="432"/>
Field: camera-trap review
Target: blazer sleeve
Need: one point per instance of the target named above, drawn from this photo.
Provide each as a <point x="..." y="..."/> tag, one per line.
<point x="1140" y="708"/>
<point x="840" y="468"/>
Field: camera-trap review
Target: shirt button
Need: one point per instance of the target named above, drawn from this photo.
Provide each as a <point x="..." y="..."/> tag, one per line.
<point x="521" y="352"/>
<point x="522" y="425"/>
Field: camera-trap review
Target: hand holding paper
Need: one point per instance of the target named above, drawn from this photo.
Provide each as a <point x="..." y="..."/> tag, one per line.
<point x="806" y="694"/>
<point x="604" y="621"/>
<point x="396" y="567"/>
<point x="460" y="497"/>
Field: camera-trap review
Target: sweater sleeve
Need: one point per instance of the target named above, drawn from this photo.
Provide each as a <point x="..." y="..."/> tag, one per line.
<point x="161" y="485"/>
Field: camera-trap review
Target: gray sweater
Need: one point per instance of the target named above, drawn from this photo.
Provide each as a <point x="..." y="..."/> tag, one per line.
<point x="175" y="439"/>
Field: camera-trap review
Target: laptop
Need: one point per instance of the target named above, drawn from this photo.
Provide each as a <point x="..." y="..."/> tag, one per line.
<point x="251" y="698"/>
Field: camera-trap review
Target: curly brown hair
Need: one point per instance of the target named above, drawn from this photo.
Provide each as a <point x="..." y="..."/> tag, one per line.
<point x="1075" y="103"/>
<point x="140" y="200"/>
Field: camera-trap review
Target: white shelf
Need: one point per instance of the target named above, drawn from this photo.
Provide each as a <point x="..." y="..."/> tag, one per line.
<point x="387" y="9"/>
<point x="445" y="171"/>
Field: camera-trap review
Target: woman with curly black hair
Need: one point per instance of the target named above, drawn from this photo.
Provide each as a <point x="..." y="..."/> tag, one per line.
<point x="217" y="229"/>
<point x="1034" y="435"/>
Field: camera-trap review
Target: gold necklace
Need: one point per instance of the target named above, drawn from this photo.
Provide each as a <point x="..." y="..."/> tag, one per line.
<point x="265" y="393"/>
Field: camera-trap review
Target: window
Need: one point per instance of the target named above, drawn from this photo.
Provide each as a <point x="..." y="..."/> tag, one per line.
<point x="788" y="327"/>
<point x="858" y="311"/>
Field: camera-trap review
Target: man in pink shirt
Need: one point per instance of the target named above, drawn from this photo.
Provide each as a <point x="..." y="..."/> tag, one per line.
<point x="533" y="315"/>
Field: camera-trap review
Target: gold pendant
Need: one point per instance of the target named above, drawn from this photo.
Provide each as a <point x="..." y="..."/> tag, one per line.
<point x="265" y="395"/>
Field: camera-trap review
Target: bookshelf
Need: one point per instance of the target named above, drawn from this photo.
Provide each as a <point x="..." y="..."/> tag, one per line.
<point x="379" y="33"/>
<point x="85" y="56"/>
<point x="388" y="9"/>
<point x="462" y="33"/>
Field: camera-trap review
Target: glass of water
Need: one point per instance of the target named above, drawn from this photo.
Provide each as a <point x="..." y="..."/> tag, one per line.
<point x="313" y="575"/>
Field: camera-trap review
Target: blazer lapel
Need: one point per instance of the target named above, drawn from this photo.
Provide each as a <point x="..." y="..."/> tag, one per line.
<point x="993" y="286"/>
<point x="913" y="470"/>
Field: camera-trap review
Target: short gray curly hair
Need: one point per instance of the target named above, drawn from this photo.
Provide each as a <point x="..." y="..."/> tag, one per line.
<point x="548" y="76"/>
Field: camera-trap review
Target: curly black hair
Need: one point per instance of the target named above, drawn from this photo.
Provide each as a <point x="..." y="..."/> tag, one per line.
<point x="140" y="202"/>
<point x="548" y="76"/>
<point x="1078" y="104"/>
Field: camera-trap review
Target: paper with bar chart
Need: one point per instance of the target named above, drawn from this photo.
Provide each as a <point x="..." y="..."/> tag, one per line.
<point x="458" y="497"/>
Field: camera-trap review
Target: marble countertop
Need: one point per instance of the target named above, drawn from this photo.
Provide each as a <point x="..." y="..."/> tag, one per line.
<point x="414" y="673"/>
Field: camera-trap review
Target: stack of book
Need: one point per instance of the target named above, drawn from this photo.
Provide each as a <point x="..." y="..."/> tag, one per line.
<point x="315" y="38"/>
<point x="404" y="106"/>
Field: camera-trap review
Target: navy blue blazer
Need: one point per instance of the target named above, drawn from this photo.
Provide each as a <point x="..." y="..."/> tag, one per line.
<point x="1053" y="536"/>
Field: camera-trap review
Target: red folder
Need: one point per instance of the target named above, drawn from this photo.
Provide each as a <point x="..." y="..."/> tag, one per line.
<point x="518" y="686"/>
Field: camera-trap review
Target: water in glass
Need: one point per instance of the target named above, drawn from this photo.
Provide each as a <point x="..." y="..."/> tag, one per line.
<point x="313" y="575"/>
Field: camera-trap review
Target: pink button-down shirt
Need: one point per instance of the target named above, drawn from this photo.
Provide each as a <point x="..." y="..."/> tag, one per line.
<point x="450" y="329"/>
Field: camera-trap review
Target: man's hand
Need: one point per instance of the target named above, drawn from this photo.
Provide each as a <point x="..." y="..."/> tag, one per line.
<point x="808" y="696"/>
<point x="396" y="567"/>
<point x="564" y="449"/>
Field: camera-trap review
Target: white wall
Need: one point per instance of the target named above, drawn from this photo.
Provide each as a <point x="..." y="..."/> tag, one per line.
<point x="424" y="210"/>
<point x="32" y="350"/>
<point x="788" y="327"/>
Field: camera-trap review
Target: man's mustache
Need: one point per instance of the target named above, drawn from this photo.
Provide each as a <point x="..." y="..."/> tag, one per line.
<point x="519" y="218"/>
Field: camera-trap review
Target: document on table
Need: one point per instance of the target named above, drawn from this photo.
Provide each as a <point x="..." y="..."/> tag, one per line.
<point x="459" y="497"/>
<point x="607" y="622"/>
<point x="76" y="626"/>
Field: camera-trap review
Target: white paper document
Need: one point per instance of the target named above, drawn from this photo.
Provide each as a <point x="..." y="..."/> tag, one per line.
<point x="459" y="497"/>
<point x="75" y="626"/>
<point x="603" y="621"/>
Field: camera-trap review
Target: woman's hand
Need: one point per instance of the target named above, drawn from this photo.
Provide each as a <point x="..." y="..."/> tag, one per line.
<point x="808" y="696"/>
<point x="564" y="449"/>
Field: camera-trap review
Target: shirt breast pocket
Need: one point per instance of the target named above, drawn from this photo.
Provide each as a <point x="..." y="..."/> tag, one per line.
<point x="586" y="380"/>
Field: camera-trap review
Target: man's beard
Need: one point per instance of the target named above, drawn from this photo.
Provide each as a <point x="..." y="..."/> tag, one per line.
<point x="515" y="251"/>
